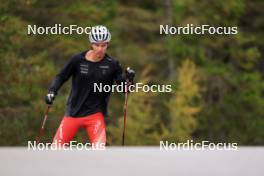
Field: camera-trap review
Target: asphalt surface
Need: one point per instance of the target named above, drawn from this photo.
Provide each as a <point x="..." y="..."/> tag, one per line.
<point x="132" y="161"/>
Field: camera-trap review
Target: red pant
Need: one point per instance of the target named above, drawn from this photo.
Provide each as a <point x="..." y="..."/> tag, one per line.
<point x="94" y="125"/>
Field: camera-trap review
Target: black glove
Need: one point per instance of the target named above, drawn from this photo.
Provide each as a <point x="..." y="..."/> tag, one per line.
<point x="130" y="74"/>
<point x="50" y="98"/>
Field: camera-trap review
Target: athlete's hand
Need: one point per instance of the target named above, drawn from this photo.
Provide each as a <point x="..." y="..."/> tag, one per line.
<point x="50" y="98"/>
<point x="130" y="74"/>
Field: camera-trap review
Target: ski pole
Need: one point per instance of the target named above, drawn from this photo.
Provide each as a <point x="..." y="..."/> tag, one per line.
<point x="125" y="112"/>
<point x="43" y="124"/>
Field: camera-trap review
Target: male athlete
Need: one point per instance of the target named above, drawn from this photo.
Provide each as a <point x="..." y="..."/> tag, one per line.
<point x="86" y="107"/>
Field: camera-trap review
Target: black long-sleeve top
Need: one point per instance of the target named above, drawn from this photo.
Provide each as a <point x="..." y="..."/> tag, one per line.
<point x="83" y="99"/>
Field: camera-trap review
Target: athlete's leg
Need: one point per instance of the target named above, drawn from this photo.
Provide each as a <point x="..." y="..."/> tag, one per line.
<point x="66" y="131"/>
<point x="95" y="128"/>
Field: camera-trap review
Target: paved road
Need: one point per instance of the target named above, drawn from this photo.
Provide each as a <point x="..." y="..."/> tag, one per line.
<point x="132" y="161"/>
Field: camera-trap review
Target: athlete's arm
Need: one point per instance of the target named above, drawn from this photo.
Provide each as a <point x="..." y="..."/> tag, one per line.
<point x="119" y="76"/>
<point x="65" y="73"/>
<point x="60" y="78"/>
